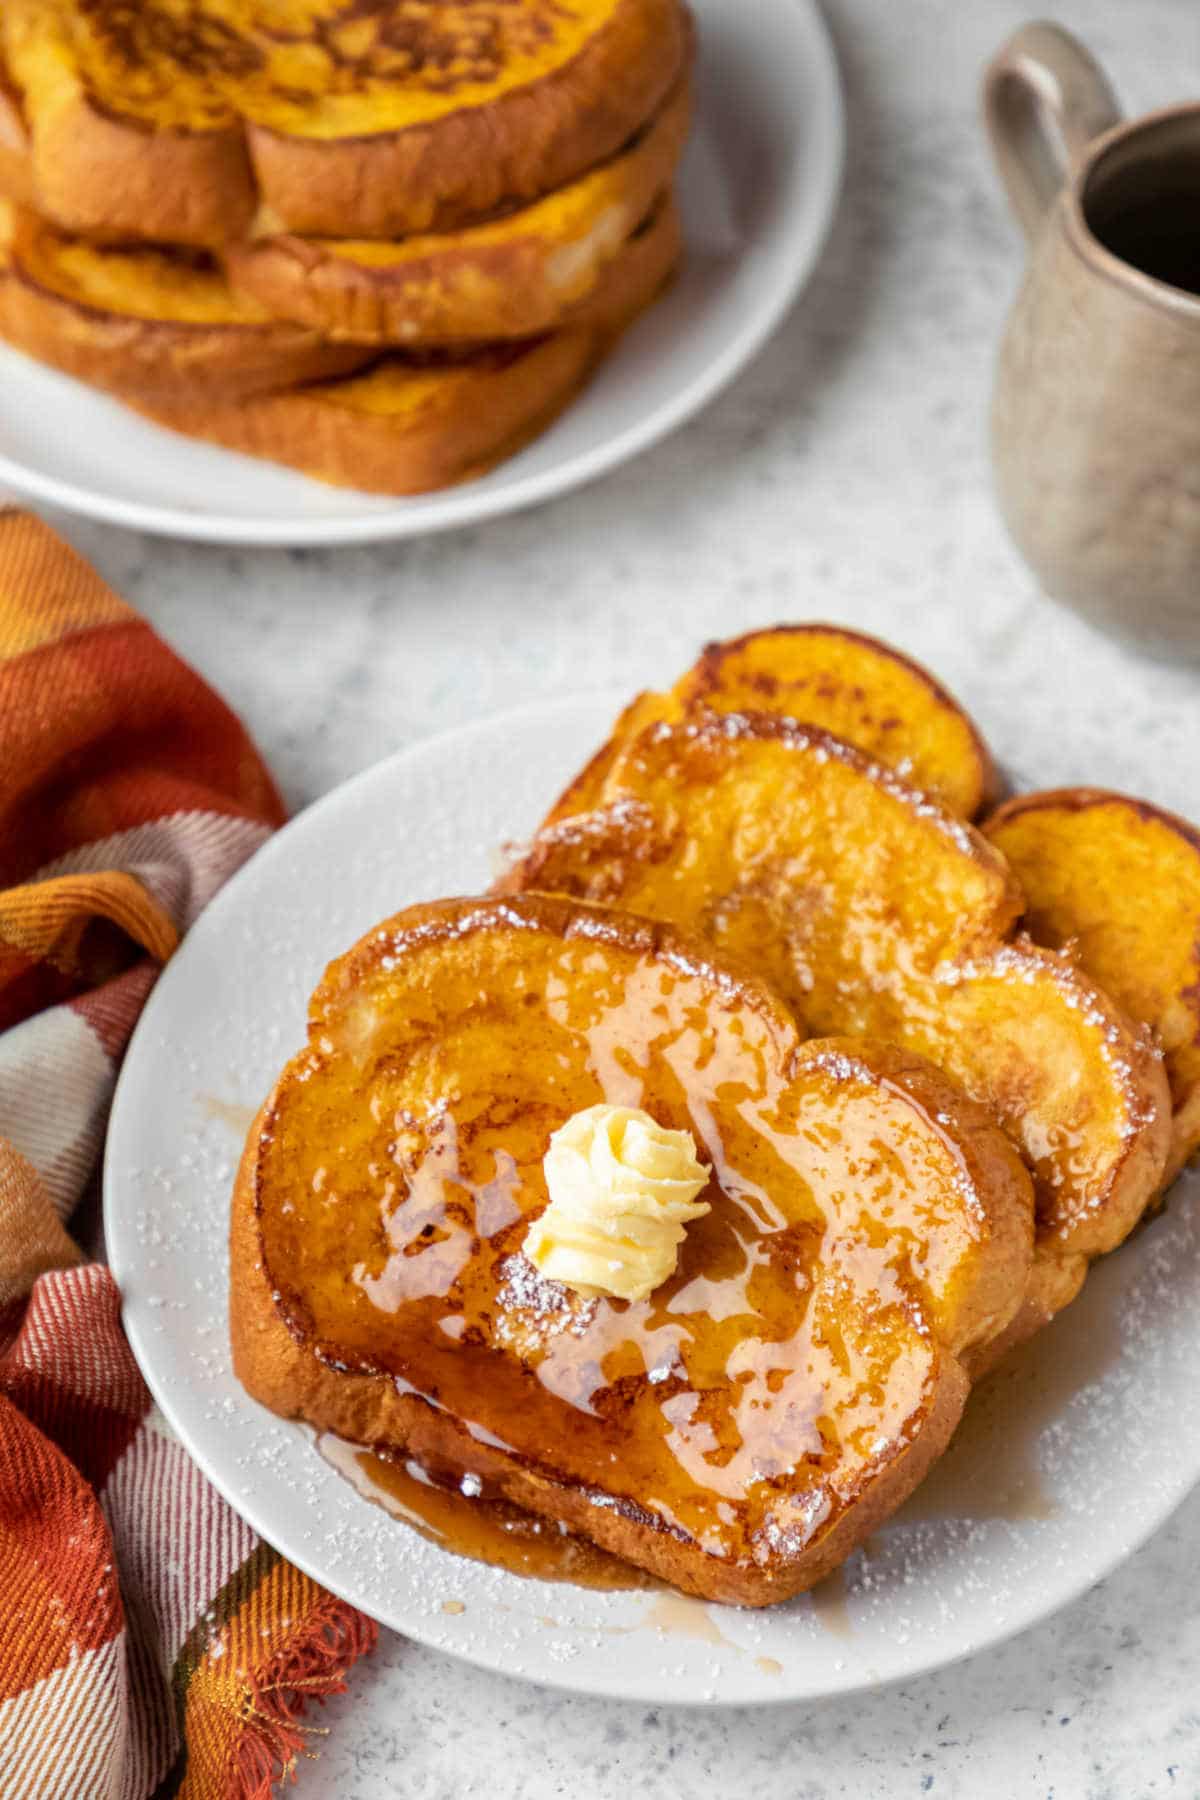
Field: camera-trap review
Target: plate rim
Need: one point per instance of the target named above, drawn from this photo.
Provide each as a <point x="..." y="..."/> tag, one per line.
<point x="467" y="504"/>
<point x="559" y="1677"/>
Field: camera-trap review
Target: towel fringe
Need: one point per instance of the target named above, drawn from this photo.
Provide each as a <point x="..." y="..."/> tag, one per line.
<point x="313" y="1667"/>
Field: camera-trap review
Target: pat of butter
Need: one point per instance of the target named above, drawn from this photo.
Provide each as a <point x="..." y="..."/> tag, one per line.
<point x="622" y="1189"/>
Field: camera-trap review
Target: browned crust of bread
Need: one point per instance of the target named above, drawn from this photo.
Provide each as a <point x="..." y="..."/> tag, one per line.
<point x="530" y="272"/>
<point x="993" y="1169"/>
<point x="1080" y="799"/>
<point x="481" y="413"/>
<point x="970" y="785"/>
<point x="526" y="142"/>
<point x="137" y="354"/>
<point x="286" y="1375"/>
<point x="109" y="176"/>
<point x="470" y="415"/>
<point x="636" y="277"/>
<point x="1140" y="909"/>
<point x="985" y="784"/>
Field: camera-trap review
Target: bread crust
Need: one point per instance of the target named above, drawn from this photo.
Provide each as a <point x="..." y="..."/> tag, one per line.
<point x="462" y="421"/>
<point x="329" y="1385"/>
<point x="860" y="689"/>
<point x="530" y="271"/>
<point x="103" y="177"/>
<point x="1118" y="880"/>
<point x="840" y="668"/>
<point x="102" y="173"/>
<point x="525" y="143"/>
<point x="404" y="429"/>
<point x="141" y="351"/>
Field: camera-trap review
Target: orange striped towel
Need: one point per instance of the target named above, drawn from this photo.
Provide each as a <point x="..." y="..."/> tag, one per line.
<point x="149" y="1644"/>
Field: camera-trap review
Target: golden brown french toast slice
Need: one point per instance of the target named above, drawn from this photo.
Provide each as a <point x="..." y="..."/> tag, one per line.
<point x="407" y="425"/>
<point x="1117" y="882"/>
<point x="854" y="686"/>
<point x="148" y="321"/>
<point x="173" y="122"/>
<point x="528" y="271"/>
<point x="872" y="909"/>
<point x="739" y="1431"/>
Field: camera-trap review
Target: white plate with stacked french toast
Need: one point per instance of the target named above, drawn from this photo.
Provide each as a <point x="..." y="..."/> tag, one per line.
<point x="684" y="1196"/>
<point x="383" y="274"/>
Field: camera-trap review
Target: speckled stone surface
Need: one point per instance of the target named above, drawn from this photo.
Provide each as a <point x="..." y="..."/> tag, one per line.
<point x="843" y="477"/>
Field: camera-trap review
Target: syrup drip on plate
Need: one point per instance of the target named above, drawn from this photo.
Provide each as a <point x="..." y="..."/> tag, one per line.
<point x="478" y="1526"/>
<point x="235" y="1113"/>
<point x="493" y="1531"/>
<point x="829" y="1604"/>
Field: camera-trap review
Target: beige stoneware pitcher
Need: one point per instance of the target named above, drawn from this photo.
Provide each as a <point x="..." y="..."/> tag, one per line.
<point x="1096" y="414"/>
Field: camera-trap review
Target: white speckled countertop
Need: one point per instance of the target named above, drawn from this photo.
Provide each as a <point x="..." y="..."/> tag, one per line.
<point x="843" y="477"/>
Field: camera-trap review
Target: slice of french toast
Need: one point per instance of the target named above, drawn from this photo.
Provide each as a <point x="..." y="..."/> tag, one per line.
<point x="742" y="1429"/>
<point x="872" y="909"/>
<point x="409" y="424"/>
<point x="147" y="321"/>
<point x="854" y="686"/>
<point x="1117" y="882"/>
<point x="530" y="270"/>
<point x="174" y="123"/>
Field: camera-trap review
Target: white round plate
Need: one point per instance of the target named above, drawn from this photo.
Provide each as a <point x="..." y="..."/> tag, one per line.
<point x="1064" y="1463"/>
<point x="758" y="188"/>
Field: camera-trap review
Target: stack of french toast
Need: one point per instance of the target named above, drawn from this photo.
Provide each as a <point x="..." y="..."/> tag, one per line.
<point x="383" y="243"/>
<point x="929" y="1056"/>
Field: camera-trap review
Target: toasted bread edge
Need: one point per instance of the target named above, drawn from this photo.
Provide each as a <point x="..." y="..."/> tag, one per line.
<point x="525" y="143"/>
<point x="982" y="789"/>
<point x="468" y="286"/>
<point x="138" y="354"/>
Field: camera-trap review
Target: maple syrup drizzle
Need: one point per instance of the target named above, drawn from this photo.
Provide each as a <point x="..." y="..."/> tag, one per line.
<point x="480" y="1527"/>
<point x="830" y="1606"/>
<point x="679" y="1615"/>
<point x="233" y="1113"/>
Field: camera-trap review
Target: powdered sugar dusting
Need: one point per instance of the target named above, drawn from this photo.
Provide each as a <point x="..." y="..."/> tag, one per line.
<point x="546" y="1305"/>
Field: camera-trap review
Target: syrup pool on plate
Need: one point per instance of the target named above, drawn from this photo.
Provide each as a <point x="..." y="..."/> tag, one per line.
<point x="476" y="1525"/>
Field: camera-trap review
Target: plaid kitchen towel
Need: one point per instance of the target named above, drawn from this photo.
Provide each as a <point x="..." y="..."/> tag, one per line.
<point x="149" y="1643"/>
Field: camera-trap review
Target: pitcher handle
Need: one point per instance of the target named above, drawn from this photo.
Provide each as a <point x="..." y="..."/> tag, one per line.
<point x="1045" y="98"/>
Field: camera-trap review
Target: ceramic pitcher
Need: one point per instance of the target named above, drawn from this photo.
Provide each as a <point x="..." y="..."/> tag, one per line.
<point x="1096" y="414"/>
